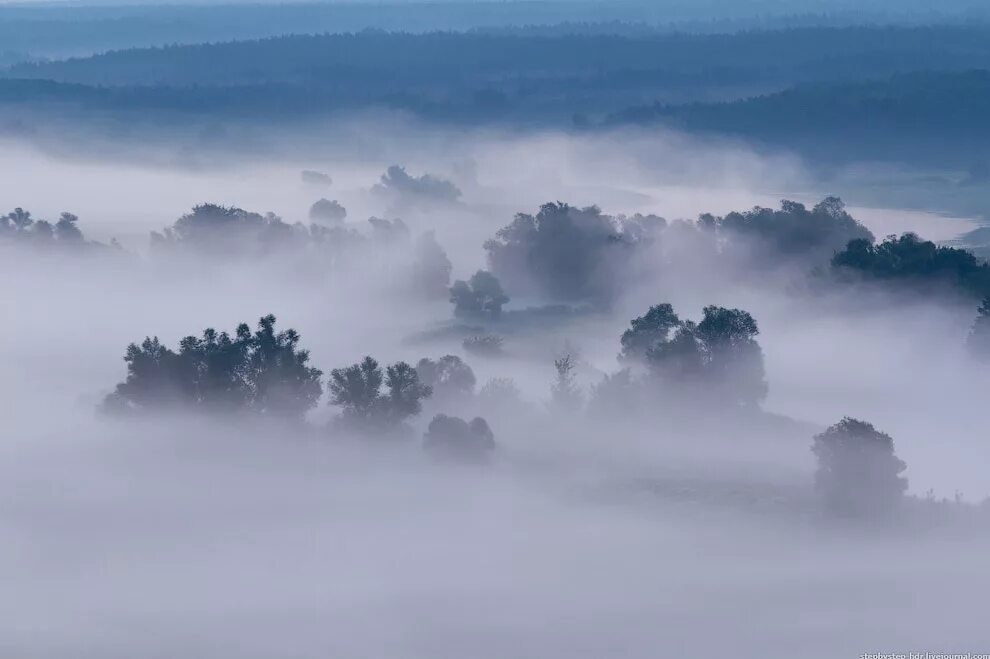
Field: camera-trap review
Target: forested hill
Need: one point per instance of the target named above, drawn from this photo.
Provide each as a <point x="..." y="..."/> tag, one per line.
<point x="875" y="92"/>
<point x="911" y="111"/>
<point x="448" y="60"/>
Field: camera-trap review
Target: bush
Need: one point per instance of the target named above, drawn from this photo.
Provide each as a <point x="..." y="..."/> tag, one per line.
<point x="450" y="437"/>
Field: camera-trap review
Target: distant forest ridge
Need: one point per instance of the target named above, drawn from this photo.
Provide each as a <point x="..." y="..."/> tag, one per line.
<point x="60" y="30"/>
<point x="499" y="59"/>
<point x="876" y="92"/>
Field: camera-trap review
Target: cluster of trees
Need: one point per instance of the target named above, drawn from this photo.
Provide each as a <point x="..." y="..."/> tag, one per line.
<point x="909" y="259"/>
<point x="21" y="226"/>
<point x="397" y="184"/>
<point x="566" y="253"/>
<point x="229" y="231"/>
<point x="267" y="373"/>
<point x="925" y="115"/>
<point x="792" y="231"/>
<point x="719" y="354"/>
<point x="264" y="372"/>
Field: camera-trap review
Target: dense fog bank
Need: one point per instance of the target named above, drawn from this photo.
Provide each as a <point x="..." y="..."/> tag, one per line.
<point x="597" y="375"/>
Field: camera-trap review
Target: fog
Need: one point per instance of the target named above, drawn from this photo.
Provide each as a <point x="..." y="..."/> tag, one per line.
<point x="690" y="527"/>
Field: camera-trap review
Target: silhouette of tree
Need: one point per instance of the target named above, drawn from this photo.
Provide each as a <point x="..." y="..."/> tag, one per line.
<point x="449" y="377"/>
<point x="648" y="331"/>
<point x="480" y="297"/>
<point x="450" y="437"/>
<point x="67" y="229"/>
<point x="357" y="389"/>
<point x="858" y="472"/>
<point x="281" y="382"/>
<point x="565" y="394"/>
<point x="20" y="219"/>
<point x="733" y="358"/>
<point x="325" y="210"/>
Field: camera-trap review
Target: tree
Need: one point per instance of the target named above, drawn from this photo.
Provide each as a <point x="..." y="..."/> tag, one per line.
<point x="680" y="360"/>
<point x="20" y="219"/>
<point x="648" y="331"/>
<point x="733" y="358"/>
<point x="858" y="472"/>
<point x="480" y="297"/>
<point x="281" y="382"/>
<point x="450" y="437"/>
<point x="978" y="341"/>
<point x="405" y="392"/>
<point x="565" y="394"/>
<point x="449" y="377"/>
<point x="325" y="210"/>
<point x="67" y="230"/>
<point x="357" y="389"/>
